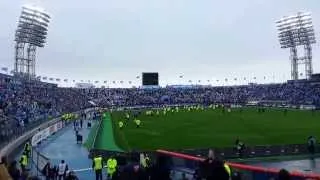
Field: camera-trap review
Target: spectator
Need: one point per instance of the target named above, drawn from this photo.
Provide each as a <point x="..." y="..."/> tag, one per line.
<point x="283" y="175"/>
<point x="62" y="170"/>
<point x="47" y="171"/>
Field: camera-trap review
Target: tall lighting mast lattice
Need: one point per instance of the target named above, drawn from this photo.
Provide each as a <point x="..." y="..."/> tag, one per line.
<point x="31" y="33"/>
<point x="295" y="31"/>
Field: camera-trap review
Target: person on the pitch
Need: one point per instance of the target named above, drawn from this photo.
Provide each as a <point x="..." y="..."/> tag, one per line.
<point x="120" y="124"/>
<point x="138" y="122"/>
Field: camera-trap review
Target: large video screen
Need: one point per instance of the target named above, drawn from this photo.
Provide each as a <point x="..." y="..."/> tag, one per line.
<point x="150" y="79"/>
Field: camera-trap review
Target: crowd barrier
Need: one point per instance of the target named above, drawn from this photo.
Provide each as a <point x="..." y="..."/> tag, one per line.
<point x="39" y="160"/>
<point x="253" y="151"/>
<point x="45" y="133"/>
<point x="247" y="171"/>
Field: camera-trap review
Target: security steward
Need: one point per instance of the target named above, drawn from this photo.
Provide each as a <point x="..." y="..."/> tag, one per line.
<point x="227" y="168"/>
<point x="24" y="162"/>
<point x="27" y="149"/>
<point x="97" y="166"/>
<point x="111" y="167"/>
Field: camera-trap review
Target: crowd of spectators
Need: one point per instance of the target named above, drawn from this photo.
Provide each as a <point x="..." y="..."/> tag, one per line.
<point x="290" y="93"/>
<point x="23" y="104"/>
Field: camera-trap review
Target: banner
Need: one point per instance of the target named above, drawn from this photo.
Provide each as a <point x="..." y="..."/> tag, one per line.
<point x="45" y="133"/>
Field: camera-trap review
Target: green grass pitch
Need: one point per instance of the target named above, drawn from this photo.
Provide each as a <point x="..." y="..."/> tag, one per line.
<point x="211" y="128"/>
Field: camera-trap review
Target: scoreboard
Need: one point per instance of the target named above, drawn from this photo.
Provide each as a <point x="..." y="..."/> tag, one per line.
<point x="150" y="79"/>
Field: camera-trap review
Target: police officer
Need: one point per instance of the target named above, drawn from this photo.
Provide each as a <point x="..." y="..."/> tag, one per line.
<point x="97" y="166"/>
<point x="24" y="161"/>
<point x="111" y="167"/>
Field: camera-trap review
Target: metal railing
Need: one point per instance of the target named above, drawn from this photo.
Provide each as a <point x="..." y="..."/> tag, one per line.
<point x="18" y="131"/>
<point x="247" y="172"/>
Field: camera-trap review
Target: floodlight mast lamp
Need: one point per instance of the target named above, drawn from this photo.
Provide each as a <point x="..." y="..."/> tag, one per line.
<point x="294" y="31"/>
<point x="30" y="34"/>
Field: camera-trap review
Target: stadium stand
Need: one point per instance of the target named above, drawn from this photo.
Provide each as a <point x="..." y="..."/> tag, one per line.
<point x="25" y="105"/>
<point x="289" y="93"/>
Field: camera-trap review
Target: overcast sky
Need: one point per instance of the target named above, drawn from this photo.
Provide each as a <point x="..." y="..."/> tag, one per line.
<point x="199" y="39"/>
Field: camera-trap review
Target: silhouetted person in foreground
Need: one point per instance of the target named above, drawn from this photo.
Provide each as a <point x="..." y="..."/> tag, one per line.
<point x="283" y="175"/>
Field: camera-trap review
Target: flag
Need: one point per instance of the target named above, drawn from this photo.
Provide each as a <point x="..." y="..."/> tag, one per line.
<point x="74" y="80"/>
<point x="121" y="82"/>
<point x="235" y="79"/>
<point x="58" y="79"/>
<point x="199" y="80"/>
<point x="190" y="81"/>
<point x="5" y="69"/>
<point x="113" y="82"/>
<point x="12" y="72"/>
<point x="226" y="79"/>
<point x="181" y="76"/>
<point x="254" y="77"/>
<point x="65" y="80"/>
<point x="217" y="80"/>
<point x="96" y="82"/>
<point x="244" y="78"/>
<point x="138" y="77"/>
<point x="130" y="82"/>
<point x="51" y="79"/>
<point x="208" y="80"/>
<point x="105" y="82"/>
<point x="44" y="78"/>
<point x="81" y="80"/>
<point x="264" y="77"/>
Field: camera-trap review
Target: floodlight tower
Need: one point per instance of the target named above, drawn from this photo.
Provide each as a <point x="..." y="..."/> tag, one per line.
<point x="30" y="34"/>
<point x="294" y="31"/>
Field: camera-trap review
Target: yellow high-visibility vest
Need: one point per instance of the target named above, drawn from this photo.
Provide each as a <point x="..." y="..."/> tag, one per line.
<point x="24" y="160"/>
<point x="97" y="163"/>
<point x="226" y="166"/>
<point x="111" y="166"/>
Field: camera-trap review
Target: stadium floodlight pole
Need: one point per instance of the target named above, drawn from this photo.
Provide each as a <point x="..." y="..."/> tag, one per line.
<point x="30" y="34"/>
<point x="294" y="31"/>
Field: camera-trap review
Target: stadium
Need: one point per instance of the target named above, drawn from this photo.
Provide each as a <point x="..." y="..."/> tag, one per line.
<point x="145" y="127"/>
